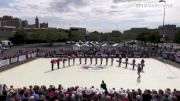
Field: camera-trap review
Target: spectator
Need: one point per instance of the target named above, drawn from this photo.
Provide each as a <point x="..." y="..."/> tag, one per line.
<point x="103" y="85"/>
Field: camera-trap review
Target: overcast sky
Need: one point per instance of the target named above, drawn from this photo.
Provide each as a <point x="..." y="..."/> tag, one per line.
<point x="100" y="15"/>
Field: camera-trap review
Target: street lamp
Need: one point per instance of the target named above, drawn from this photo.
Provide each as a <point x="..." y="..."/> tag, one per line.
<point x="163" y="38"/>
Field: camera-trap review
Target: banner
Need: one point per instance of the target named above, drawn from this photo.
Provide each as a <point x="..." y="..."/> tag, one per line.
<point x="13" y="60"/>
<point x="29" y="55"/>
<point x="4" y="62"/>
<point x="164" y="55"/>
<point x="177" y="59"/>
<point x="41" y="54"/>
<point x="33" y="54"/>
<point x="22" y="57"/>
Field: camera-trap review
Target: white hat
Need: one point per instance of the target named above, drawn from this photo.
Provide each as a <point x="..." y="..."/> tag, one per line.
<point x="31" y="98"/>
<point x="111" y="91"/>
<point x="56" y="91"/>
<point x="124" y="95"/>
<point x="138" y="97"/>
<point x="88" y="91"/>
<point x="79" y="91"/>
<point x="120" y="91"/>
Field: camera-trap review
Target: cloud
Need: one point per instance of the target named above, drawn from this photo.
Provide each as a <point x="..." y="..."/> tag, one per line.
<point x="118" y="1"/>
<point x="93" y="14"/>
<point x="67" y="5"/>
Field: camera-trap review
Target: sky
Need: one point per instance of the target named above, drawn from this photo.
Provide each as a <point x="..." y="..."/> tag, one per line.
<point x="95" y="15"/>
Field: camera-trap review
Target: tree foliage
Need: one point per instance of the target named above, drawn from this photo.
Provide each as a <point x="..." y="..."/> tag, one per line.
<point x="177" y="37"/>
<point x="148" y="36"/>
<point x="19" y="38"/>
<point x="76" y="36"/>
<point x="55" y="35"/>
<point x="94" y="36"/>
<point x="41" y="35"/>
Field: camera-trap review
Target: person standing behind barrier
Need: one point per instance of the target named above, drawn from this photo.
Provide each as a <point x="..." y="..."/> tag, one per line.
<point x="126" y="61"/>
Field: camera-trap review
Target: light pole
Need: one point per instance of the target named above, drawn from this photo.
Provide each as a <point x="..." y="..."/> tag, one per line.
<point x="163" y="37"/>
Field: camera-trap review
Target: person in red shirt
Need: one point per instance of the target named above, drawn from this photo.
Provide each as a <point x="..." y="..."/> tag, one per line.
<point x="85" y="59"/>
<point x="80" y="59"/>
<point x="91" y="58"/>
<point x="139" y="70"/>
<point x="142" y="63"/>
<point x="73" y="57"/>
<point x="112" y="59"/>
<point x="52" y="64"/>
<point x="96" y="59"/>
<point x="126" y="61"/>
<point x="69" y="60"/>
<point x="133" y="63"/>
<point x="101" y="60"/>
<point x="58" y="62"/>
<point x="64" y="62"/>
<point x="106" y="60"/>
<point x="120" y="60"/>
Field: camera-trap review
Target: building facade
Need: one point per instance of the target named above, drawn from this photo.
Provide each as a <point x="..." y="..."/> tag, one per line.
<point x="168" y="31"/>
<point x="10" y="21"/>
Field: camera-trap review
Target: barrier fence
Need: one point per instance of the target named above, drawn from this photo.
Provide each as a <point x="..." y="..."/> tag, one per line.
<point x="16" y="59"/>
<point x="5" y="62"/>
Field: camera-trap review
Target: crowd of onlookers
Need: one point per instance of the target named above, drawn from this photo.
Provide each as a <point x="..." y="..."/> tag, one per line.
<point x="126" y="50"/>
<point x="52" y="93"/>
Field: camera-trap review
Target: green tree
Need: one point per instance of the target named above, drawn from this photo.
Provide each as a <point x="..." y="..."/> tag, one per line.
<point x="19" y="37"/>
<point x="177" y="37"/>
<point x="94" y="36"/>
<point x="62" y="36"/>
<point x="155" y="37"/>
<point x="115" y="36"/>
<point x="37" y="36"/>
<point x="144" y="36"/>
<point x="76" y="36"/>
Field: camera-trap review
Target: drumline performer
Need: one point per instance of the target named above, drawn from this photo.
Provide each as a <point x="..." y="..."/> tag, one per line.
<point x="64" y="59"/>
<point x="91" y="58"/>
<point x="96" y="60"/>
<point x="142" y="63"/>
<point x="126" y="61"/>
<point x="120" y="60"/>
<point x="69" y="60"/>
<point x="133" y="63"/>
<point x="139" y="70"/>
<point x="52" y="64"/>
<point x="80" y="59"/>
<point x="58" y="62"/>
<point x="106" y="60"/>
<point x="85" y="59"/>
<point x="101" y="60"/>
<point x="73" y="59"/>
<point x="112" y="59"/>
